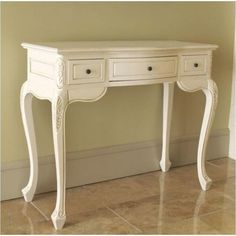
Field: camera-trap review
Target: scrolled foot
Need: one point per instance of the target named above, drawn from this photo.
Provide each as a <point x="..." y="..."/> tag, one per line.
<point x="165" y="165"/>
<point x="205" y="183"/>
<point x="28" y="194"/>
<point x="208" y="86"/>
<point x="58" y="220"/>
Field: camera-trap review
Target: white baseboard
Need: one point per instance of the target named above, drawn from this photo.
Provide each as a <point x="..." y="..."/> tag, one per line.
<point x="106" y="163"/>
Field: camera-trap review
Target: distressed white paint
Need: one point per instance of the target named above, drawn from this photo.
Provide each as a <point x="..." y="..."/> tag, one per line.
<point x="136" y="58"/>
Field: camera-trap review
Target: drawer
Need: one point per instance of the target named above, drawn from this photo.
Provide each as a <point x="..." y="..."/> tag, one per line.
<point x="86" y="71"/>
<point x="194" y="65"/>
<point x="142" y="68"/>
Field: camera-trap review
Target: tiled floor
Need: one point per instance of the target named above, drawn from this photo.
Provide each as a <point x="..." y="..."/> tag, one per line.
<point x="152" y="203"/>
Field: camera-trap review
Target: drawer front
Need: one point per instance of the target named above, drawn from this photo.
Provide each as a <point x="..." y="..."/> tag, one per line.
<point x="194" y="65"/>
<point x="86" y="71"/>
<point x="142" y="68"/>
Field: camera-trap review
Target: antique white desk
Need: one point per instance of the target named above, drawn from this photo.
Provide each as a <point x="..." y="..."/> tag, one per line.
<point x="66" y="72"/>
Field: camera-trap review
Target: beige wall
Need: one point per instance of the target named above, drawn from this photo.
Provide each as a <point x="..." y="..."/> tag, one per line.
<point x="124" y="115"/>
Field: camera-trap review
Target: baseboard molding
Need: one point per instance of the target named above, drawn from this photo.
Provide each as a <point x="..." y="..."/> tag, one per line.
<point x="112" y="162"/>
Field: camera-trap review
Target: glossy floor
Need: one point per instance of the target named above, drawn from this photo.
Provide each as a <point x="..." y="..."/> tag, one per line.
<point x="152" y="203"/>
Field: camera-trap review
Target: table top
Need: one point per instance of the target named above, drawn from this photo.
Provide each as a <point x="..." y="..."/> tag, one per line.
<point x="79" y="46"/>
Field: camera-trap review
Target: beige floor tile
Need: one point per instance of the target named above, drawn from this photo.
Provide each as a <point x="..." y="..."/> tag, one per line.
<point x="101" y="221"/>
<point x="223" y="221"/>
<point x="226" y="187"/>
<point x="143" y="213"/>
<point x="224" y="162"/>
<point x="18" y="207"/>
<point x="211" y="201"/>
<point x="148" y="181"/>
<point x="186" y="177"/>
<point x="16" y="213"/>
<point x="144" y="185"/>
<point x="175" y="190"/>
<point x="170" y="207"/>
<point x="78" y="200"/>
<point x="187" y="226"/>
<point x="179" y="178"/>
<point x="29" y="227"/>
<point x="120" y="190"/>
<point x="226" y="165"/>
<point x="149" y="213"/>
<point x="188" y="173"/>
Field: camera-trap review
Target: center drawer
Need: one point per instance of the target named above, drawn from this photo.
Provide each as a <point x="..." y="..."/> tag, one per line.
<point x="142" y="68"/>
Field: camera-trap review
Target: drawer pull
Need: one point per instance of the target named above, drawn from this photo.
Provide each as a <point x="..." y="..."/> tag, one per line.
<point x="196" y="65"/>
<point x="88" y="71"/>
<point x="149" y="68"/>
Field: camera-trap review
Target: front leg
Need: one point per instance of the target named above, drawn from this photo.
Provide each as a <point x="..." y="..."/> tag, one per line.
<point x="59" y="104"/>
<point x="209" y="88"/>
<point x="167" y="112"/>
<point x="28" y="123"/>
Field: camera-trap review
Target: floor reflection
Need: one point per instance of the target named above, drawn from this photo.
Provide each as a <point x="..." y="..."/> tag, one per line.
<point x="152" y="203"/>
<point x="199" y="203"/>
<point x="194" y="220"/>
<point x="24" y="212"/>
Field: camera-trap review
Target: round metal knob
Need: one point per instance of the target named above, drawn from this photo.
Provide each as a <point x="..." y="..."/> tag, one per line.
<point x="149" y="68"/>
<point x="88" y="71"/>
<point x="196" y="65"/>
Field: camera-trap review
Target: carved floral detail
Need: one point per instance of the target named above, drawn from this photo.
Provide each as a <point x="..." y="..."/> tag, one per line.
<point x="60" y="72"/>
<point x="59" y="112"/>
<point x="212" y="87"/>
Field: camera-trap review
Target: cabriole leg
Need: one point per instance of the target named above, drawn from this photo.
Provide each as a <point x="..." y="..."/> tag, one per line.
<point x="210" y="90"/>
<point x="58" y="124"/>
<point x="167" y="112"/>
<point x="211" y="94"/>
<point x="28" y="123"/>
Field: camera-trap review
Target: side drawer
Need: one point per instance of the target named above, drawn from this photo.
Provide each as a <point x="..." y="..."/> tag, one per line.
<point x="194" y="65"/>
<point x="142" y="68"/>
<point x="86" y="71"/>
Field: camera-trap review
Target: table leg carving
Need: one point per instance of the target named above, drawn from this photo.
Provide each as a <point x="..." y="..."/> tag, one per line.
<point x="28" y="123"/>
<point x="167" y="111"/>
<point x="210" y="90"/>
<point x="59" y="104"/>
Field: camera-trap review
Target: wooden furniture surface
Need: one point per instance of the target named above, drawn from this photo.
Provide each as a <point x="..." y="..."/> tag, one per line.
<point x="66" y="72"/>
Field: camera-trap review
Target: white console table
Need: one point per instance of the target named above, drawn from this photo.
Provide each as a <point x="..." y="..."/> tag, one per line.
<point x="66" y="72"/>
